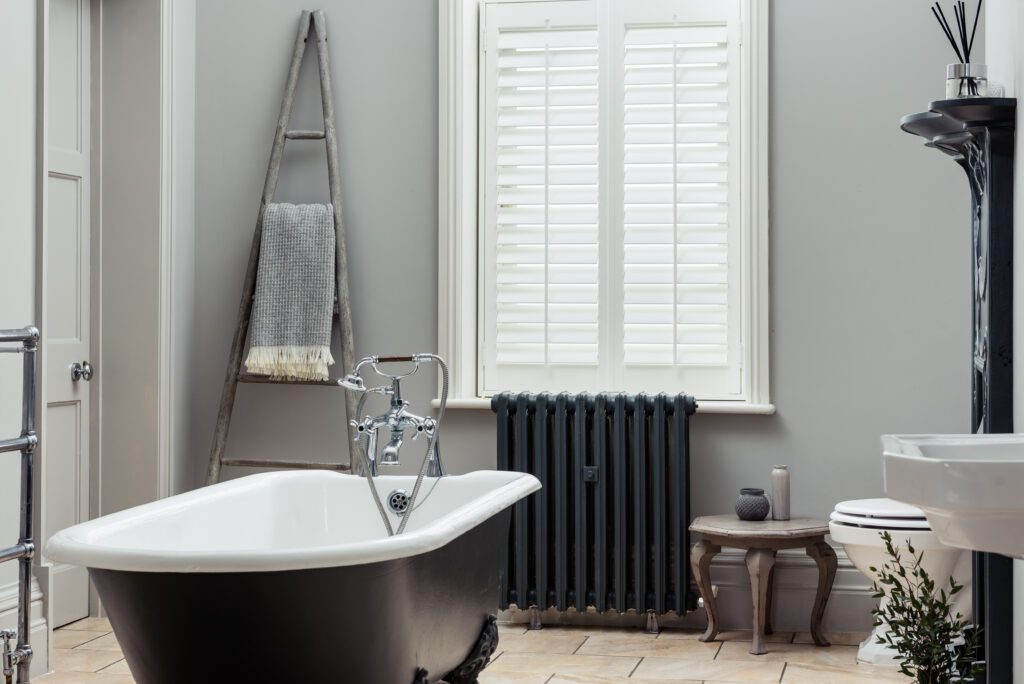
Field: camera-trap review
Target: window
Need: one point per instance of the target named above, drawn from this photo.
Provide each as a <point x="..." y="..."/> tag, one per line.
<point x="616" y="156"/>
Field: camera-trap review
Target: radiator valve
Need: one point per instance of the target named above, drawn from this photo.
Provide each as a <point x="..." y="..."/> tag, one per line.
<point x="652" y="623"/>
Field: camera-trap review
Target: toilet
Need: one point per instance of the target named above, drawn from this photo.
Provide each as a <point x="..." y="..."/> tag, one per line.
<point x="858" y="526"/>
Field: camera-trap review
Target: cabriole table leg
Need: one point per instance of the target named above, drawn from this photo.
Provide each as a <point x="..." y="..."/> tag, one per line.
<point x="700" y="560"/>
<point x="825" y="558"/>
<point x="759" y="564"/>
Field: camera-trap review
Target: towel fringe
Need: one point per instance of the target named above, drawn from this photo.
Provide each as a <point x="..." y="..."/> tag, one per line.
<point x="290" y="362"/>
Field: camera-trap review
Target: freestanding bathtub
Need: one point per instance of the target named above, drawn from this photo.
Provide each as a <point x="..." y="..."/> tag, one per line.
<point x="290" y="577"/>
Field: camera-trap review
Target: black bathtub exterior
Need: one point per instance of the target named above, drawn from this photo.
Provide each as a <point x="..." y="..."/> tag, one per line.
<point x="378" y="623"/>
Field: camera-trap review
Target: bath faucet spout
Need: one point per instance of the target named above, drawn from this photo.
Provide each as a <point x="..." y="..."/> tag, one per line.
<point x="389" y="456"/>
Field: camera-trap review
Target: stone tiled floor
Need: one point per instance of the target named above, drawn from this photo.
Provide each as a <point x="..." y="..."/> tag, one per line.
<point x="574" y="655"/>
<point x="86" y="652"/>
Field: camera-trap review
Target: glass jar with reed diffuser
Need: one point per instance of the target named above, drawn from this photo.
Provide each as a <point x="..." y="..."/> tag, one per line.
<point x="966" y="80"/>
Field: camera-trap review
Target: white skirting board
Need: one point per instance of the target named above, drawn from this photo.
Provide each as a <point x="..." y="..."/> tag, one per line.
<point x="796" y="576"/>
<point x="40" y="634"/>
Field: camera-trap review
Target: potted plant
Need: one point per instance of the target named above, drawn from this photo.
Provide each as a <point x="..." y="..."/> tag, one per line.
<point x="934" y="646"/>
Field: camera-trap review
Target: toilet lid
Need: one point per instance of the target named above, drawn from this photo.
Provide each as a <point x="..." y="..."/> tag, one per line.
<point x="879" y="523"/>
<point x="879" y="508"/>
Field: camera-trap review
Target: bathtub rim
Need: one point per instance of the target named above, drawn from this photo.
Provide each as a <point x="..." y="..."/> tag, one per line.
<point x="77" y="545"/>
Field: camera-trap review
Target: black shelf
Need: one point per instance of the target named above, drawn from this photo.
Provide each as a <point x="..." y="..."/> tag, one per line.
<point x="978" y="134"/>
<point x="947" y="124"/>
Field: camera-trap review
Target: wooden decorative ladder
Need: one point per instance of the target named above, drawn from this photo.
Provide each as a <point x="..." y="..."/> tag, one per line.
<point x="309" y="23"/>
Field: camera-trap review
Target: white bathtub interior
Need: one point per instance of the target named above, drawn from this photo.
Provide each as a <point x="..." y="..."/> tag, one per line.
<point x="286" y="520"/>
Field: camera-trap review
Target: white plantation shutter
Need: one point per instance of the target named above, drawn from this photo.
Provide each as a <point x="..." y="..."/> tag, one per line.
<point x="676" y="181"/>
<point x="610" y="199"/>
<point x="546" y="221"/>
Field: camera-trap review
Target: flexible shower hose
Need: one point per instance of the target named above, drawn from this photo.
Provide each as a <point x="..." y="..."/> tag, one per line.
<point x="431" y="444"/>
<point x="364" y="465"/>
<point x="364" y="459"/>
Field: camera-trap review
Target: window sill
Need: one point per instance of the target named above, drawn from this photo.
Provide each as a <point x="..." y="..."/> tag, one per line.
<point x="737" y="407"/>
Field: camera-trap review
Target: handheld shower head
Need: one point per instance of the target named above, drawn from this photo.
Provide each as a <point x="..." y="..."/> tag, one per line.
<point x="353" y="382"/>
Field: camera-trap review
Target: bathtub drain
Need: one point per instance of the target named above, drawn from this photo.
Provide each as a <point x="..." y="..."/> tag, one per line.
<point x="398" y="501"/>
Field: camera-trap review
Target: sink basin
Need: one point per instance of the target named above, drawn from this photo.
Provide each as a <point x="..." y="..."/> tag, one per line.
<point x="971" y="487"/>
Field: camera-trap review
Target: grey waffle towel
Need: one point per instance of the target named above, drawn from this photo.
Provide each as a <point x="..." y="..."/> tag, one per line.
<point x="291" y="315"/>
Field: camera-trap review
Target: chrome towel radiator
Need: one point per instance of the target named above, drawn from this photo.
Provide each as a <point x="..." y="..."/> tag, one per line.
<point x="19" y="658"/>
<point x="609" y="529"/>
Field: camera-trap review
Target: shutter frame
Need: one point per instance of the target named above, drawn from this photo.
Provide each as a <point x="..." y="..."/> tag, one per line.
<point x="713" y="347"/>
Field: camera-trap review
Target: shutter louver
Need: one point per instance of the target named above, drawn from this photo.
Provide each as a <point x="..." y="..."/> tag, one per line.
<point x="676" y="195"/>
<point x="546" y="191"/>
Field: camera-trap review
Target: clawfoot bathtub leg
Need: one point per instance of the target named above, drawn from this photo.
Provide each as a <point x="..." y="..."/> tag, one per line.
<point x="479" y="657"/>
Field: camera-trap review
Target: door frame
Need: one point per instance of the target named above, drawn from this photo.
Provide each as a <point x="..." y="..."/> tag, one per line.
<point x="157" y="464"/>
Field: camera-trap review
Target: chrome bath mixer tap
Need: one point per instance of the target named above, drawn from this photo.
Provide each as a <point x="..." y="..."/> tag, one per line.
<point x="397" y="419"/>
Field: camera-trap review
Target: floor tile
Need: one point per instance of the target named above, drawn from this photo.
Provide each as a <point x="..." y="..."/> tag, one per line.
<point x="535" y="643"/>
<point x="680" y="633"/>
<point x="644" y="646"/>
<point x="856" y="674"/>
<point x="489" y="677"/>
<point x="90" y="625"/>
<point x="106" y="642"/>
<point x="70" y="638"/>
<point x="747" y="635"/>
<point x="84" y="678"/>
<point x="120" y="667"/>
<point x="709" y="670"/>
<point x="509" y="628"/>
<point x="540" y="663"/>
<point x="838" y="656"/>
<point x="601" y="679"/>
<point x="81" y="660"/>
<point x="836" y="638"/>
<point x="586" y="630"/>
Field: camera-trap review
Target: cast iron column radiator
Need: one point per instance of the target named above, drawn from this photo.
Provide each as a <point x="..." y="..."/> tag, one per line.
<point x="310" y="24"/>
<point x="978" y="134"/>
<point x="20" y="657"/>
<point x="609" y="528"/>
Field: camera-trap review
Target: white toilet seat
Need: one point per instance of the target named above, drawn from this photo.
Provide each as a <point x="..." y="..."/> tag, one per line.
<point x="879" y="508"/>
<point x="862" y="521"/>
<point x="880" y="523"/>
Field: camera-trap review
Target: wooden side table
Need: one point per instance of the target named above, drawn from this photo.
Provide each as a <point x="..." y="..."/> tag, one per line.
<point x="762" y="540"/>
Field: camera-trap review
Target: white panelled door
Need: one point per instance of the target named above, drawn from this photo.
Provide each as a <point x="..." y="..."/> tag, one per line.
<point x="65" y="299"/>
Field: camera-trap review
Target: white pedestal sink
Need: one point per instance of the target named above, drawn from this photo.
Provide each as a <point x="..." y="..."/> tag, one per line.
<point x="971" y="487"/>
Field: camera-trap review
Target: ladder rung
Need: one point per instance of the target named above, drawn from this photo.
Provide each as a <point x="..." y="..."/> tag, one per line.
<point x="304" y="135"/>
<point x="298" y="465"/>
<point x="267" y="380"/>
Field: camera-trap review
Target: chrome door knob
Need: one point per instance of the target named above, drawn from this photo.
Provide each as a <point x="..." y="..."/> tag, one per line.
<point x="81" y="371"/>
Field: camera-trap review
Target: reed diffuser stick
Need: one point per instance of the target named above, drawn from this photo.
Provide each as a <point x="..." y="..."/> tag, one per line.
<point x="940" y="17"/>
<point x="977" y="13"/>
<point x="961" y="40"/>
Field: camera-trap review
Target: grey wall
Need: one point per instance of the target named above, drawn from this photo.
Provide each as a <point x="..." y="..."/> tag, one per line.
<point x="384" y="59"/>
<point x="17" y="245"/>
<point x="869" y="236"/>
<point x="869" y="243"/>
<point x="126" y="216"/>
<point x="870" y="280"/>
<point x="18" y="169"/>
